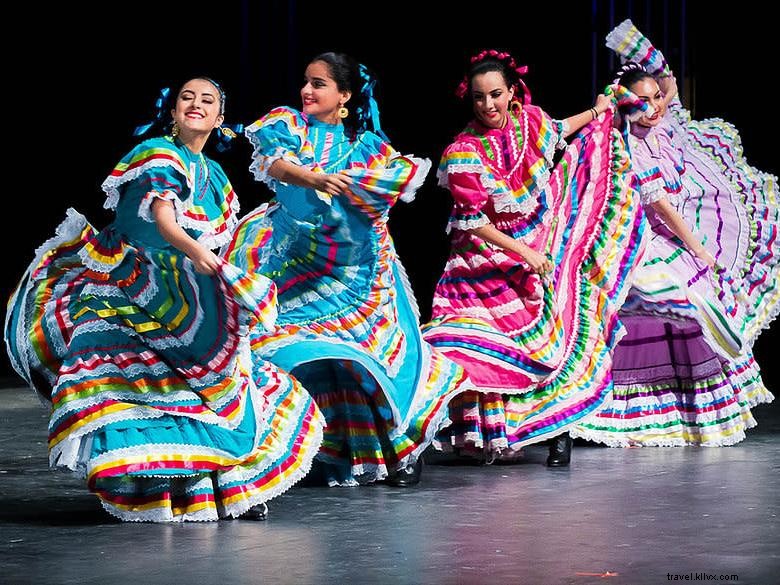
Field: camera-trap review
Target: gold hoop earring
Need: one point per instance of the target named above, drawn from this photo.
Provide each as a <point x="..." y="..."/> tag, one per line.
<point x="175" y="130"/>
<point x="343" y="112"/>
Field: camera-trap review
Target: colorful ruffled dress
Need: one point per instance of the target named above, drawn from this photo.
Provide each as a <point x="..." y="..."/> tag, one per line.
<point x="348" y="324"/>
<point x="685" y="374"/>
<point x="538" y="349"/>
<point x="155" y="396"/>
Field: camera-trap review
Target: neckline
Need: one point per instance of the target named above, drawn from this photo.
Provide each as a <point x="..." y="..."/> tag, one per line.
<point x="194" y="155"/>
<point x="484" y="130"/>
<point x="335" y="128"/>
<point x="641" y="131"/>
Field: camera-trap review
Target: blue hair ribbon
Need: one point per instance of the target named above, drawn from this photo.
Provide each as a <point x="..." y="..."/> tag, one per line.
<point x="159" y="107"/>
<point x="373" y="109"/>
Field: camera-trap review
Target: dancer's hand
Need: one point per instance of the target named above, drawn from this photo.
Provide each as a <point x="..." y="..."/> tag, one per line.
<point x="538" y="263"/>
<point x="707" y="258"/>
<point x="668" y="85"/>
<point x="603" y="103"/>
<point x="205" y="261"/>
<point x="333" y="184"/>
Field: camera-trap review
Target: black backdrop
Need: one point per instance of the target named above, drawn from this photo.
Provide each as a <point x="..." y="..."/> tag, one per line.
<point x="81" y="79"/>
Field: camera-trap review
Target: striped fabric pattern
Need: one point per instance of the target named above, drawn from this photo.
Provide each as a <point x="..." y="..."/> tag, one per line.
<point x="685" y="373"/>
<point x="155" y="396"/>
<point x="537" y="349"/>
<point x="348" y="323"/>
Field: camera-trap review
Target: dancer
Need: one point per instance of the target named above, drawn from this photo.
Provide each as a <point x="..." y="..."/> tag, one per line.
<point x="348" y="322"/>
<point x="138" y="336"/>
<point x="685" y="373"/>
<point x="539" y="260"/>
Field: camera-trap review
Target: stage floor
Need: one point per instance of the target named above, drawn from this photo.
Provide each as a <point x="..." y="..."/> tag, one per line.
<point x="620" y="516"/>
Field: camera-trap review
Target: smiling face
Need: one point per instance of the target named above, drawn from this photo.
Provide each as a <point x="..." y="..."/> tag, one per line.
<point x="197" y="108"/>
<point x="491" y="98"/>
<point x="647" y="90"/>
<point x="320" y="94"/>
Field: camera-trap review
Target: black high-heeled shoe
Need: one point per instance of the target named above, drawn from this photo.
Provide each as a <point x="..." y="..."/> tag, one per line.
<point x="560" y="451"/>
<point x="257" y="512"/>
<point x="408" y="476"/>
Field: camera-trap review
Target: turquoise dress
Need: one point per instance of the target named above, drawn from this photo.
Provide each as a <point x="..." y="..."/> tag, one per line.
<point x="348" y="324"/>
<point x="155" y="397"/>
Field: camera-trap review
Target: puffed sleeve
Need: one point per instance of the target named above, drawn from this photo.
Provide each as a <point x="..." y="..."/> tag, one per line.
<point x="153" y="169"/>
<point x="468" y="179"/>
<point x="281" y="134"/>
<point x="381" y="175"/>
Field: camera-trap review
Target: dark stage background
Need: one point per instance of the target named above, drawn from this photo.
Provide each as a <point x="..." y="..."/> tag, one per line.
<point x="82" y="79"/>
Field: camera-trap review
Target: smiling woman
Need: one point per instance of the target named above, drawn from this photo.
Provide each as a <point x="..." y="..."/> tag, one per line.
<point x="348" y="324"/>
<point x="685" y="373"/>
<point x="137" y="334"/>
<point x="539" y="259"/>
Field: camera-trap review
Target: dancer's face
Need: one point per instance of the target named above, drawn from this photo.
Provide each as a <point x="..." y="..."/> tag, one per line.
<point x="491" y="98"/>
<point x="197" y="107"/>
<point x="648" y="91"/>
<point x="320" y="95"/>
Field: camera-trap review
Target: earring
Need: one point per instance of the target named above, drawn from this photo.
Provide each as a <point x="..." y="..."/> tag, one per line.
<point x="226" y="131"/>
<point x="343" y="112"/>
<point x="175" y="130"/>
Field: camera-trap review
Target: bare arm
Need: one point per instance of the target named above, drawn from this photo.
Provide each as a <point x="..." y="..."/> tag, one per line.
<point x="668" y="85"/>
<point x="538" y="262"/>
<point x="676" y="223"/>
<point x="577" y="121"/>
<point x="205" y="261"/>
<point x="288" y="172"/>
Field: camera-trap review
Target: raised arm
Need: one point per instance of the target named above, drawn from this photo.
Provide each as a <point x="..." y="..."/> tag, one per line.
<point x="577" y="121"/>
<point x="668" y="85"/>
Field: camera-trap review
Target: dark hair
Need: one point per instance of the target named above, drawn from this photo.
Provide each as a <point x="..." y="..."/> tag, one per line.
<point x="166" y="101"/>
<point x="488" y="64"/>
<point x="351" y="76"/>
<point x="631" y="73"/>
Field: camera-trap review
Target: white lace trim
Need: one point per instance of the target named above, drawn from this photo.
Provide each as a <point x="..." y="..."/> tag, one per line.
<point x="615" y="440"/>
<point x="321" y="292"/>
<point x="69" y="229"/>
<point x="111" y="185"/>
<point x="505" y="202"/>
<point x="73" y="224"/>
<point x="653" y="191"/>
<point x="69" y="452"/>
<point x="423" y="167"/>
<point x="442" y="174"/>
<point x="231" y="510"/>
<point x="261" y="163"/>
<point x="467" y="224"/>
<point x="208" y="237"/>
<point x="145" y="207"/>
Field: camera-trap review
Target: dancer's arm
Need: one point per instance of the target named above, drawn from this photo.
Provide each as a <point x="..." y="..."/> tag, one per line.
<point x="668" y="85"/>
<point x="287" y="172"/>
<point x="676" y="223"/>
<point x="577" y="121"/>
<point x="205" y="261"/>
<point x="538" y="262"/>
